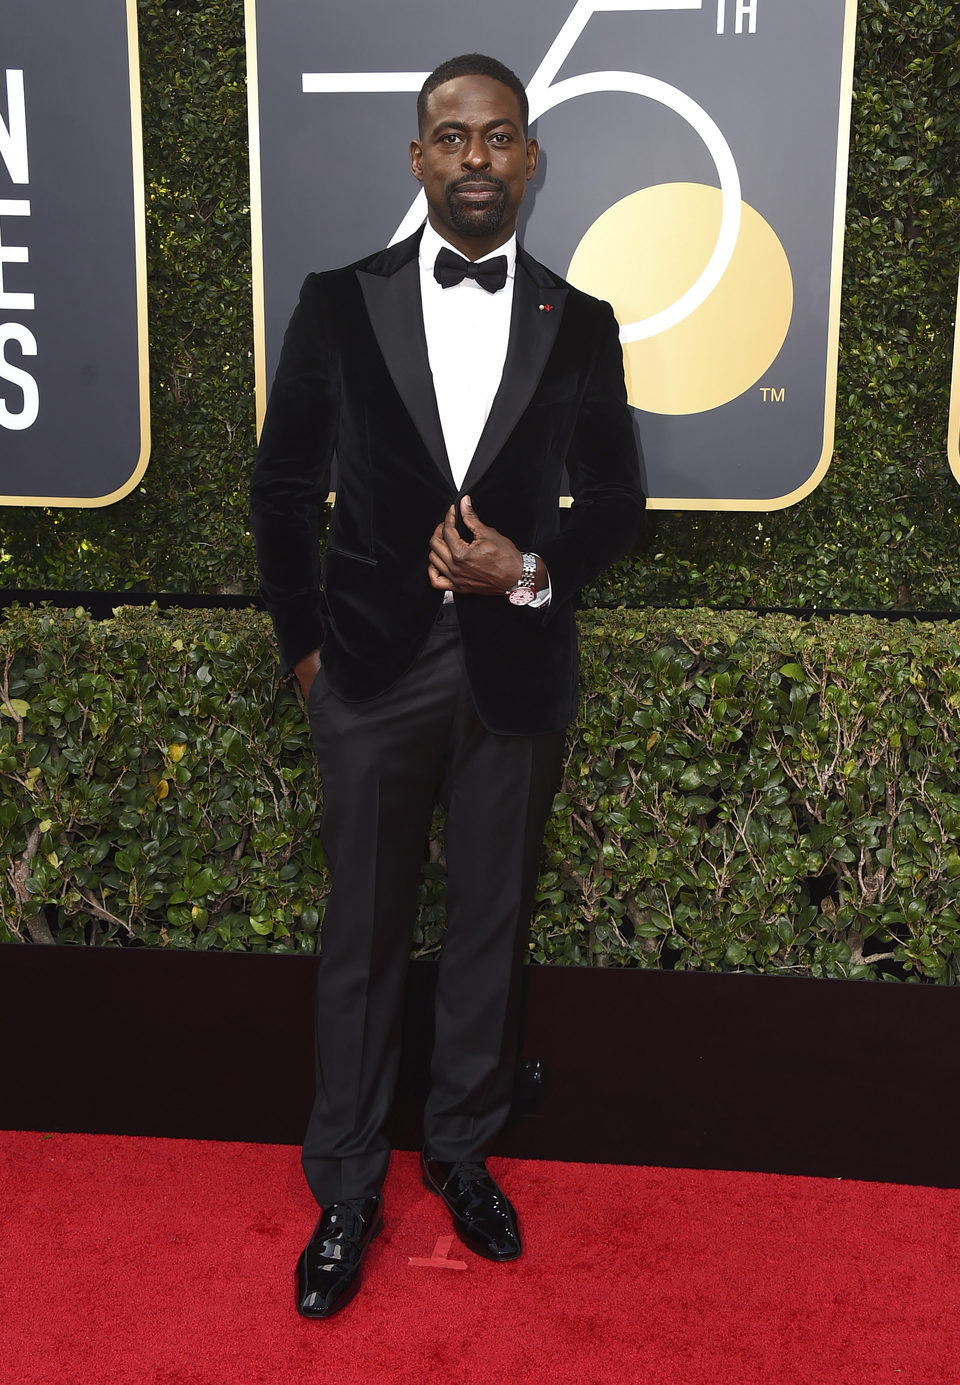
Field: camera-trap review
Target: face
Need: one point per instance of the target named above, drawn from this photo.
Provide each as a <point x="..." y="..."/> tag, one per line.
<point x="474" y="163"/>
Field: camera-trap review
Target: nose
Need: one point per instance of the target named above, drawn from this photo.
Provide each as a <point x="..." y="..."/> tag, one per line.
<point x="475" y="153"/>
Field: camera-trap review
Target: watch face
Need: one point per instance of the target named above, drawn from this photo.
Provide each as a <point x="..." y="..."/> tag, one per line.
<point x="521" y="596"/>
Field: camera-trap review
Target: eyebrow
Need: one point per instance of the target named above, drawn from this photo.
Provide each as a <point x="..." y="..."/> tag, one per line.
<point x="462" y="125"/>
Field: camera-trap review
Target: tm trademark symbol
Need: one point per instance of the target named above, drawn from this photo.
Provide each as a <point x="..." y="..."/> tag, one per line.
<point x="773" y="396"/>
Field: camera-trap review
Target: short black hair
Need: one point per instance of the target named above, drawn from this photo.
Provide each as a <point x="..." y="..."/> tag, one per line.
<point x="472" y="65"/>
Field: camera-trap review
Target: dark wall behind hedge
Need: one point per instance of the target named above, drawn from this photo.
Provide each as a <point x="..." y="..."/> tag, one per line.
<point x="880" y="532"/>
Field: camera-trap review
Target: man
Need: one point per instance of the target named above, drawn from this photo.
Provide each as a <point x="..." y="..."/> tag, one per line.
<point x="454" y="378"/>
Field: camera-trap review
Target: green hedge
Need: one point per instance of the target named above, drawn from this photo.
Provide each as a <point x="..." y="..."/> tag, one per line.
<point x="741" y="793"/>
<point x="881" y="531"/>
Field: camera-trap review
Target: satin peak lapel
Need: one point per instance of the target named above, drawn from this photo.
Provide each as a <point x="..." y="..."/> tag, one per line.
<point x="534" y="324"/>
<point x="393" y="305"/>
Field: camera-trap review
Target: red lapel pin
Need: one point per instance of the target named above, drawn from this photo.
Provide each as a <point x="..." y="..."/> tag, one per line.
<point x="546" y="307"/>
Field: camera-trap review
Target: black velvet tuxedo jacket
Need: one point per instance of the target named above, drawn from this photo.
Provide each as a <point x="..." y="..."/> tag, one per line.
<point x="354" y="382"/>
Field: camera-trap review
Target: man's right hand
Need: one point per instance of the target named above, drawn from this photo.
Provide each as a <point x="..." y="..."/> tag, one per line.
<point x="306" y="670"/>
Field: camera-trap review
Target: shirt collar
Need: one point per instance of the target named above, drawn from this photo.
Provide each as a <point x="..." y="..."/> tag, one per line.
<point x="431" y="243"/>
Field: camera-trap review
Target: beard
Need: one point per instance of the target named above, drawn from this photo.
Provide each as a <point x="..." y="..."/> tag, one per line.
<point x="478" y="221"/>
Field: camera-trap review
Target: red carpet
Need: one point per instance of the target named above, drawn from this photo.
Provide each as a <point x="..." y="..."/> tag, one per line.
<point x="168" y="1262"/>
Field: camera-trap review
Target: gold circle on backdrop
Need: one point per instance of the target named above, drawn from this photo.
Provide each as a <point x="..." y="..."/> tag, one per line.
<point x="644" y="252"/>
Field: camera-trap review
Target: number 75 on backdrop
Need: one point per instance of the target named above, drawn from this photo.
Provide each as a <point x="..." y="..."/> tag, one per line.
<point x="693" y="173"/>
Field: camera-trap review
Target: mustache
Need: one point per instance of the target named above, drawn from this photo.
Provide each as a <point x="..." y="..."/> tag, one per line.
<point x="477" y="181"/>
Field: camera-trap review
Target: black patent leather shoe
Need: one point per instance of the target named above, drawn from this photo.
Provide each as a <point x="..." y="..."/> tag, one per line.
<point x="483" y="1216"/>
<point x="328" y="1271"/>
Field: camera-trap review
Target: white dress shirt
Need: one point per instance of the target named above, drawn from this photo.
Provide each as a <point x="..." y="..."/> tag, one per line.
<point x="467" y="330"/>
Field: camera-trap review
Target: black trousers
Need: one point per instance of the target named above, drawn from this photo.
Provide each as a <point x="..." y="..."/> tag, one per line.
<point x="384" y="764"/>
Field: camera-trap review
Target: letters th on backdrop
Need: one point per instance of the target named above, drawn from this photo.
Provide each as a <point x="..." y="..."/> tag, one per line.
<point x="74" y="423"/>
<point x="693" y="173"/>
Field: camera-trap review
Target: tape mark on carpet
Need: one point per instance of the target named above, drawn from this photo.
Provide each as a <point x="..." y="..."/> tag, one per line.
<point x="439" y="1260"/>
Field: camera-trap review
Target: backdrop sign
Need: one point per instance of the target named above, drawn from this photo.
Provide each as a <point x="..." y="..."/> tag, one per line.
<point x="74" y="423"/>
<point x="693" y="173"/>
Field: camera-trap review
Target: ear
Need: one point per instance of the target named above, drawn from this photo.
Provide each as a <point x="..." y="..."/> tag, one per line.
<point x="416" y="159"/>
<point x="533" y="154"/>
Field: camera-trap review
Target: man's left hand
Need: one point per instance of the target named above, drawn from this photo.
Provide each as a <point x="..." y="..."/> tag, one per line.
<point x="488" y="566"/>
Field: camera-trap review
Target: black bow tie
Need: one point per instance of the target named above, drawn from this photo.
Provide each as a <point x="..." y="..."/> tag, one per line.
<point x="451" y="269"/>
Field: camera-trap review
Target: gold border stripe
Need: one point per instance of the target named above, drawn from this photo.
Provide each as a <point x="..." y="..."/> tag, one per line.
<point x="256" y="211"/>
<point x="953" y="423"/>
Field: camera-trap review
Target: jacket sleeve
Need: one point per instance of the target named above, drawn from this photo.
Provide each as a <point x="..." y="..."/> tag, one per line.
<point x="291" y="478"/>
<point x="603" y="464"/>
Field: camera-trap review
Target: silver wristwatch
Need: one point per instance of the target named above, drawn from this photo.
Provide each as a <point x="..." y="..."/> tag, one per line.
<point x="525" y="589"/>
